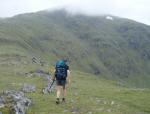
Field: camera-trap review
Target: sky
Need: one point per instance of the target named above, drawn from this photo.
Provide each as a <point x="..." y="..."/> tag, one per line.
<point x="137" y="10"/>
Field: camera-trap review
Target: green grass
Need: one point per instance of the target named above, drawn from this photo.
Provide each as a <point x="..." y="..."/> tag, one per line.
<point x="117" y="49"/>
<point x="86" y="94"/>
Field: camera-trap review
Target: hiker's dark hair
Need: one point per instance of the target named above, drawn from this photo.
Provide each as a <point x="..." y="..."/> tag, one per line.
<point x="65" y="60"/>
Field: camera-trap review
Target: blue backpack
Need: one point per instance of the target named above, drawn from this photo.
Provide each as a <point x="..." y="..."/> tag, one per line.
<point x="61" y="70"/>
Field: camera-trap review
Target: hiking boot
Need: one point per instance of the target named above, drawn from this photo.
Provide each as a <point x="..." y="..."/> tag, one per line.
<point x="63" y="100"/>
<point x="57" y="101"/>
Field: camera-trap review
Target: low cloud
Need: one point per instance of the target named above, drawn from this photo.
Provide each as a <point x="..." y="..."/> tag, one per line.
<point x="133" y="9"/>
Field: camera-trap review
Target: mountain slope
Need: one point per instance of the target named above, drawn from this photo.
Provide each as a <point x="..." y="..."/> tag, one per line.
<point x="115" y="49"/>
<point x="87" y="94"/>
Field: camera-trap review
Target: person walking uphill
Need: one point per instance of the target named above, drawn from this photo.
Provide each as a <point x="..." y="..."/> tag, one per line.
<point x="62" y="77"/>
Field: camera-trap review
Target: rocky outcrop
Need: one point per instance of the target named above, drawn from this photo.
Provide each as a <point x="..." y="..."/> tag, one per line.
<point x="38" y="73"/>
<point x="36" y="60"/>
<point x="17" y="101"/>
<point x="28" y="88"/>
<point x="49" y="88"/>
<point x="46" y="76"/>
<point x="2" y="101"/>
<point x="42" y="74"/>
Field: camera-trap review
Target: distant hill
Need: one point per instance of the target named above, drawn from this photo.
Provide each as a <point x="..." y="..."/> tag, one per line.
<point x="107" y="46"/>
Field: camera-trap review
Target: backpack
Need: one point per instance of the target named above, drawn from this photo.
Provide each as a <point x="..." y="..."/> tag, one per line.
<point x="61" y="70"/>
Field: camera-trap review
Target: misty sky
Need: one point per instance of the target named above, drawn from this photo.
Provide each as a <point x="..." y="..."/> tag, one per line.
<point x="133" y="9"/>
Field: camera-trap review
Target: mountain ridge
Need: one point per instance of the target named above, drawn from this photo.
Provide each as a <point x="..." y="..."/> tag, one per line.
<point x="115" y="49"/>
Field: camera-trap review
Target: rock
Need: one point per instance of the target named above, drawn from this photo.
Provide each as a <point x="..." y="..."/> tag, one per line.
<point x="98" y="100"/>
<point x="75" y="111"/>
<point x="2" y="101"/>
<point x="42" y="63"/>
<point x="105" y="102"/>
<point x="46" y="76"/>
<point x="38" y="61"/>
<point x="47" y="88"/>
<point x="90" y="113"/>
<point x="109" y="110"/>
<point x="38" y="73"/>
<point x="28" y="74"/>
<point x="41" y="73"/>
<point x="34" y="60"/>
<point x="28" y="88"/>
<point x="66" y="110"/>
<point x="112" y="102"/>
<point x="0" y="112"/>
<point x="19" y="103"/>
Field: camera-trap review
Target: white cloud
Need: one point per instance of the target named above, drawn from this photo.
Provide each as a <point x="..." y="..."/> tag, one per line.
<point x="133" y="9"/>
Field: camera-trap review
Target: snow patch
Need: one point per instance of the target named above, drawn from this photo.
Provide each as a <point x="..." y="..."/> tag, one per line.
<point x="109" y="18"/>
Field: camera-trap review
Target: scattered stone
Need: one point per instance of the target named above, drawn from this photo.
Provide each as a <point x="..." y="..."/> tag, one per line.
<point x="47" y="88"/>
<point x="74" y="111"/>
<point x="17" y="101"/>
<point x="46" y="76"/>
<point x="105" y="102"/>
<point x="98" y="100"/>
<point x="38" y="73"/>
<point x="109" y="110"/>
<point x="66" y="110"/>
<point x="34" y="60"/>
<point x="28" y="74"/>
<point x="90" y="113"/>
<point x="2" y="101"/>
<point x="28" y="88"/>
<point x="112" y="102"/>
<point x="38" y="61"/>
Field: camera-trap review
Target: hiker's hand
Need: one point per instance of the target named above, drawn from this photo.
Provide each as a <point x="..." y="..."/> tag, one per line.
<point x="53" y="79"/>
<point x="66" y="86"/>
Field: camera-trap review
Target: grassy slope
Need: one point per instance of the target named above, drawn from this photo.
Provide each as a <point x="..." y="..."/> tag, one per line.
<point x="116" y="49"/>
<point x="87" y="94"/>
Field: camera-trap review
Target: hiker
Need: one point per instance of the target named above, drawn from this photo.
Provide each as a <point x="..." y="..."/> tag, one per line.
<point x="62" y="77"/>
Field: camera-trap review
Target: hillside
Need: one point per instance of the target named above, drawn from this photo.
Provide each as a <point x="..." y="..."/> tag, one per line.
<point x="87" y="94"/>
<point x="113" y="48"/>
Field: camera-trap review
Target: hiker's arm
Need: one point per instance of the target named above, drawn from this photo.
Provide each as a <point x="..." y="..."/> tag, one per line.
<point x="68" y="77"/>
<point x="53" y="75"/>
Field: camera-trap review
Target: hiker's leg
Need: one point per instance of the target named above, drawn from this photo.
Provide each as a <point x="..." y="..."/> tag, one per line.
<point x="59" y="92"/>
<point x="64" y="92"/>
<point x="59" y="89"/>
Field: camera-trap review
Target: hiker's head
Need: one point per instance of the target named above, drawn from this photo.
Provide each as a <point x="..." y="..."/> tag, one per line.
<point x="65" y="60"/>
